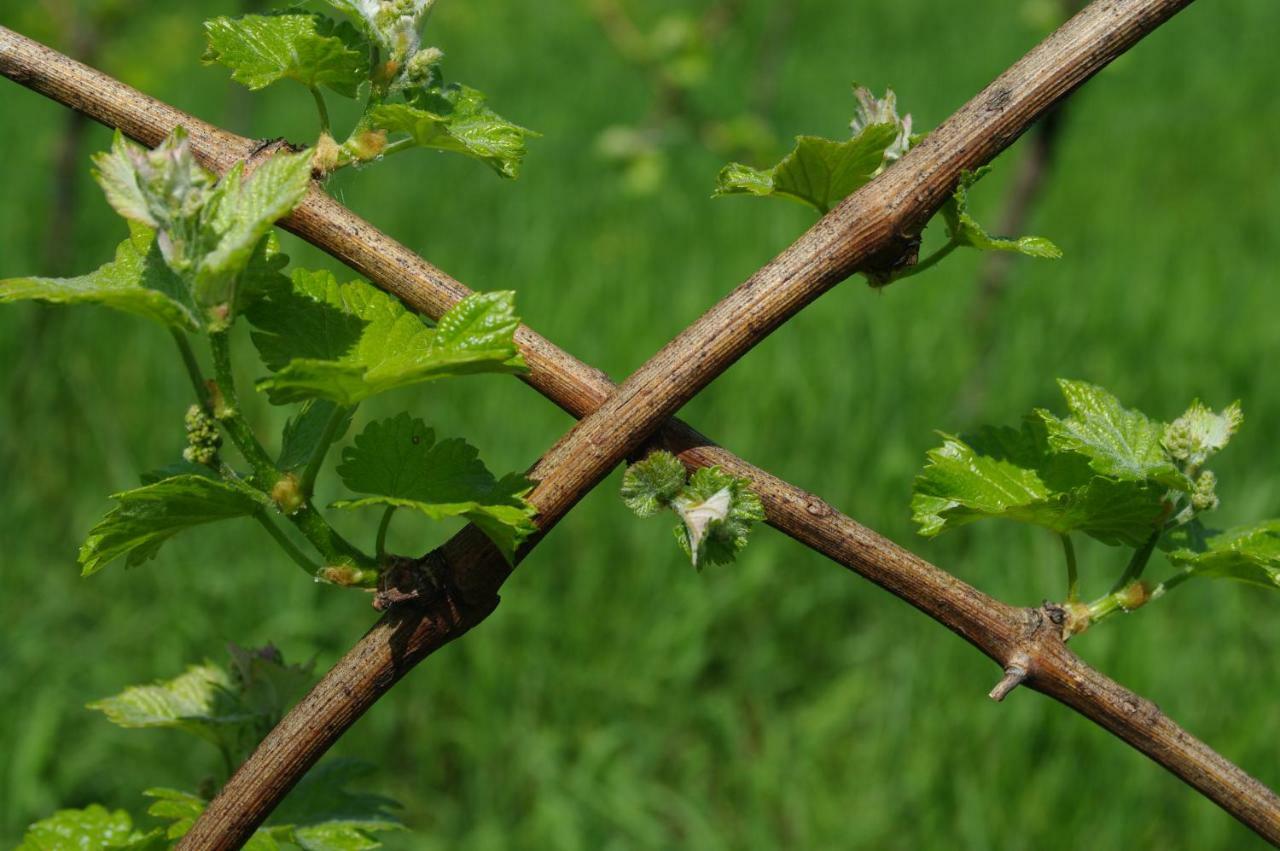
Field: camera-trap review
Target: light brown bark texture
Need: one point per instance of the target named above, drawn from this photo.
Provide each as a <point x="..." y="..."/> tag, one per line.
<point x="870" y="227"/>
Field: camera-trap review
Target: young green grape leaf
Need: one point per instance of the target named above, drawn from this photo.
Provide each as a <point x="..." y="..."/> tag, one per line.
<point x="872" y="110"/>
<point x="239" y="214"/>
<point x="200" y="701"/>
<point x="94" y="828"/>
<point x="399" y="462"/>
<point x="181" y="809"/>
<point x="327" y="811"/>
<point x="963" y="229"/>
<point x="346" y="342"/>
<point x="1248" y="554"/>
<point x="717" y="512"/>
<point x="137" y="281"/>
<point x="653" y="483"/>
<point x="818" y="172"/>
<point x="1119" y="442"/>
<point x="148" y="516"/>
<point x="1015" y="474"/>
<point x="454" y="118"/>
<point x="1200" y="433"/>
<point x="263" y="49"/>
<point x="307" y="429"/>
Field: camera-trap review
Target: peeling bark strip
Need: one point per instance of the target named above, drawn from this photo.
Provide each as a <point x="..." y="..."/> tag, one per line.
<point x="867" y="224"/>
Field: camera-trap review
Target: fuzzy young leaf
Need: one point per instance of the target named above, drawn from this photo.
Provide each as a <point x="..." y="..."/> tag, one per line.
<point x="148" y="516"/>
<point x="207" y="234"/>
<point x="1200" y="433"/>
<point x="263" y="49"/>
<point x="717" y="511"/>
<point x="399" y="461"/>
<point x="818" y="172"/>
<point x="1246" y="554"/>
<point x="346" y="342"/>
<point x="94" y="828"/>
<point x="651" y="484"/>
<point x="137" y="281"/>
<point x="455" y="118"/>
<point x="1118" y="441"/>
<point x="393" y="26"/>
<point x="1015" y="474"/>
<point x="305" y="430"/>
<point x="963" y="228"/>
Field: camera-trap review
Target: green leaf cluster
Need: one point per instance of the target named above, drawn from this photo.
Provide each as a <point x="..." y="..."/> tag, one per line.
<point x="399" y="462"/>
<point x="823" y="172"/>
<point x="376" y="49"/>
<point x="717" y="511"/>
<point x="347" y="342"/>
<point x="1109" y="472"/>
<point x="232" y="708"/>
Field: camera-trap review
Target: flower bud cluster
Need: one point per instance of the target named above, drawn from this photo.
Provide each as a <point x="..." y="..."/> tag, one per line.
<point x="1205" y="497"/>
<point x="203" y="440"/>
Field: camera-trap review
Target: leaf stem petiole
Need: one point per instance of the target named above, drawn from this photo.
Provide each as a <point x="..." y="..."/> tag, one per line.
<point x="312" y="470"/>
<point x="381" y="546"/>
<point x="287" y="545"/>
<point x="1073" y="575"/>
<point x="322" y="108"/>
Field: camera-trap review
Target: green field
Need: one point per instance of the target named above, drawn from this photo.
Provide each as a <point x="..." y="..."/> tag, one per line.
<point x="617" y="699"/>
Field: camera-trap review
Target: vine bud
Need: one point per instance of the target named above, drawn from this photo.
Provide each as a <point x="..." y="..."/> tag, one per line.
<point x="287" y="494"/>
<point x="339" y="574"/>
<point x="367" y="145"/>
<point x="325" y="157"/>
<point x="1134" y="595"/>
<point x="423" y="62"/>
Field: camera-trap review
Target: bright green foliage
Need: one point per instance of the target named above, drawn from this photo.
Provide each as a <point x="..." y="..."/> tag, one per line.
<point x="822" y="172"/>
<point x="346" y="342"/>
<point x="322" y="813"/>
<point x="94" y="828"/>
<point x="963" y="229"/>
<point x="305" y="431"/>
<point x="148" y="516"/>
<point x="1109" y="472"/>
<point x="455" y="118"/>
<point x="263" y="49"/>
<point x="399" y="461"/>
<point x="651" y="484"/>
<point x="1016" y="474"/>
<point x="1119" y="442"/>
<point x="1248" y="554"/>
<point x="818" y="172"/>
<point x="409" y="104"/>
<point x="716" y="509"/>
<point x="200" y="701"/>
<point x="138" y="281"/>
<point x="207" y="232"/>
<point x="232" y="709"/>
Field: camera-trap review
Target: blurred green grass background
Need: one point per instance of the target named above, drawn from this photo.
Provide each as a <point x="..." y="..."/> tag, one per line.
<point x="617" y="699"/>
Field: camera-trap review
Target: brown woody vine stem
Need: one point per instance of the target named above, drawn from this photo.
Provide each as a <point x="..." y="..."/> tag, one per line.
<point x="868" y="228"/>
